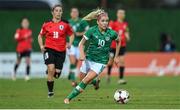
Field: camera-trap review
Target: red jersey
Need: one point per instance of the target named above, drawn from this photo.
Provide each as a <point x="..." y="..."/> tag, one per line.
<point x="120" y="28"/>
<point x="55" y="34"/>
<point x="24" y="40"/>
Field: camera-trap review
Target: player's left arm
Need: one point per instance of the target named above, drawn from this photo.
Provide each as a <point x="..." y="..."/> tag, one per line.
<point x="127" y="35"/>
<point x="71" y="39"/>
<point x="118" y="45"/>
<point x="69" y="32"/>
<point x="30" y="37"/>
<point x="81" y="48"/>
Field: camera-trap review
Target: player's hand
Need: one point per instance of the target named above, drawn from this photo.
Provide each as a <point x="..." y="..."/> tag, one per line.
<point x="82" y="57"/>
<point x="116" y="60"/>
<point x="78" y="34"/>
<point x="68" y="45"/>
<point x="128" y="38"/>
<point x="42" y="49"/>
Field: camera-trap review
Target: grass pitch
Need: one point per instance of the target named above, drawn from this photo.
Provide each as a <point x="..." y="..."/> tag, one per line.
<point x="145" y="93"/>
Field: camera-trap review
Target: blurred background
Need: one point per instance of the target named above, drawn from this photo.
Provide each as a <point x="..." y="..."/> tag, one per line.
<point x="148" y="21"/>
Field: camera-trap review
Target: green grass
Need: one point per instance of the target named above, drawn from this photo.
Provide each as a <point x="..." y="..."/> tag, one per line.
<point x="145" y="92"/>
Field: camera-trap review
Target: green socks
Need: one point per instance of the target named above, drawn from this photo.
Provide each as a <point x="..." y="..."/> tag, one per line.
<point x="72" y="72"/>
<point x="77" y="90"/>
<point x="93" y="81"/>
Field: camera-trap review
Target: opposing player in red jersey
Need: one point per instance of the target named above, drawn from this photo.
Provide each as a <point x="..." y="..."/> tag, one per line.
<point x="121" y="27"/>
<point x="23" y="36"/>
<point x="55" y="32"/>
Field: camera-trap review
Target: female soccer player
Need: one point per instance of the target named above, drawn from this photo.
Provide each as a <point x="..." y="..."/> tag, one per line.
<point x="23" y="36"/>
<point x="55" y="32"/>
<point x="121" y="27"/>
<point x="79" y="27"/>
<point x="97" y="53"/>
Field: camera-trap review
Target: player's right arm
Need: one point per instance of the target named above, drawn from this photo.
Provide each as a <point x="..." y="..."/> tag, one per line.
<point x="81" y="49"/>
<point x="40" y="38"/>
<point x="127" y="35"/>
<point x="86" y="37"/>
<point x="40" y="41"/>
<point x="17" y="36"/>
<point x="118" y="45"/>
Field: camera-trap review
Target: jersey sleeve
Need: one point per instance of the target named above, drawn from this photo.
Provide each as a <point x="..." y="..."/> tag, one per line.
<point x="115" y="36"/>
<point x="43" y="30"/>
<point x="88" y="34"/>
<point x="85" y="25"/>
<point x="69" y="30"/>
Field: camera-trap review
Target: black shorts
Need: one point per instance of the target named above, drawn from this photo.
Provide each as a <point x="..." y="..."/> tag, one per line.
<point x="122" y="51"/>
<point x="23" y="54"/>
<point x="54" y="57"/>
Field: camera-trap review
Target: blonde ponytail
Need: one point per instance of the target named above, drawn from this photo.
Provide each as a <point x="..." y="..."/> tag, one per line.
<point x="93" y="15"/>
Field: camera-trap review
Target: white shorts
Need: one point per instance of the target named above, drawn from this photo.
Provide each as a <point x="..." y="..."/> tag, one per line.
<point x="74" y="51"/>
<point x="90" y="65"/>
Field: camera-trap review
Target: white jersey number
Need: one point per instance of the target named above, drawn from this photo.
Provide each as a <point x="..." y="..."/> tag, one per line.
<point x="101" y="43"/>
<point x="55" y="35"/>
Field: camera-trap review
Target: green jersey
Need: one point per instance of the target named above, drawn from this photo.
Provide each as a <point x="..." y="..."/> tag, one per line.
<point x="99" y="44"/>
<point x="78" y="25"/>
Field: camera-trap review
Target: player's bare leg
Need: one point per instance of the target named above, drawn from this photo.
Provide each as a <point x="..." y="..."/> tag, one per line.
<point x="72" y="72"/>
<point x="28" y="61"/>
<point x="18" y="61"/>
<point x="121" y="70"/>
<point x="81" y="86"/>
<point x="50" y="79"/>
<point x="81" y="76"/>
<point x="95" y="82"/>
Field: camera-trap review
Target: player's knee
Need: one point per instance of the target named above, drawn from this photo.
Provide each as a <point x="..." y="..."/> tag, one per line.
<point x="122" y="63"/>
<point x="73" y="60"/>
<point x="81" y="76"/>
<point x="87" y="80"/>
<point x="28" y="62"/>
<point x="18" y="61"/>
<point x="50" y="71"/>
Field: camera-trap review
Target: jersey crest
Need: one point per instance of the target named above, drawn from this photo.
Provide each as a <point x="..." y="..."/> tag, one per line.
<point x="107" y="38"/>
<point x="61" y="27"/>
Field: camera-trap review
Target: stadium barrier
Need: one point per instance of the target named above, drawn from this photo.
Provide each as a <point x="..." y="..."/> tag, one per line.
<point x="38" y="68"/>
<point x="137" y="63"/>
<point x="159" y="64"/>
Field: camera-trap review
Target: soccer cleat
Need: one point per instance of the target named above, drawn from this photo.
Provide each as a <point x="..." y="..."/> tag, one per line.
<point x="57" y="75"/>
<point x="27" y="78"/>
<point x="13" y="77"/>
<point x="122" y="81"/>
<point x="66" y="101"/>
<point x="96" y="85"/>
<point x="50" y="94"/>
